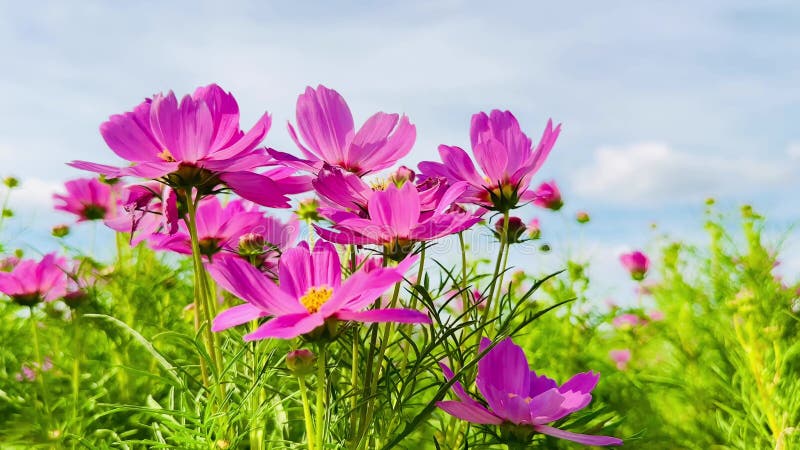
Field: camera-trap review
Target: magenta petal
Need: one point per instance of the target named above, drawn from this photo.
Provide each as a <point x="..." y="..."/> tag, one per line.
<point x="247" y="142"/>
<point x="384" y="315"/>
<point x="129" y="136"/>
<point x="458" y="388"/>
<point x="103" y="169"/>
<point x="493" y="159"/>
<point x="256" y="188"/>
<point x="584" y="439"/>
<point x="582" y="382"/>
<point x="287" y="327"/>
<point x="459" y="164"/>
<point x="469" y="412"/>
<point x="237" y="315"/>
<point x="296" y="271"/>
<point x="325" y="123"/>
<point x="327" y="268"/>
<point x="150" y="170"/>
<point x="541" y="383"/>
<point x="505" y="367"/>
<point x="246" y="282"/>
<point x="396" y="208"/>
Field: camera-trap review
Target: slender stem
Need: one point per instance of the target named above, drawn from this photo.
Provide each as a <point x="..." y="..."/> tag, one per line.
<point x="38" y="354"/>
<point x="464" y="294"/>
<point x="498" y="304"/>
<point x="202" y="291"/>
<point x="354" y="379"/>
<point x="76" y="364"/>
<point x="306" y="412"/>
<point x="374" y="375"/>
<point x="322" y="391"/>
<point x="496" y="275"/>
<point x="5" y="206"/>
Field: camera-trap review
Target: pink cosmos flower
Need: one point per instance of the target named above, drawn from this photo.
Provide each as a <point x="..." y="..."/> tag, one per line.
<point x="32" y="281"/>
<point x="548" y="196"/>
<point x="218" y="228"/>
<point x="628" y="321"/>
<point x="656" y="315"/>
<point x="88" y="198"/>
<point x="194" y="143"/>
<point x="534" y="229"/>
<point x="620" y="357"/>
<point x="504" y="154"/>
<point x="342" y="191"/>
<point x="310" y="292"/>
<point x="28" y="371"/>
<point x="396" y="221"/>
<point x="637" y="263"/>
<point x="326" y="126"/>
<point x="266" y="240"/>
<point x="517" y="395"/>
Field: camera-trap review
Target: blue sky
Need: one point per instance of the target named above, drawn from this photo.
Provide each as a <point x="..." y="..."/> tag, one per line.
<point x="663" y="103"/>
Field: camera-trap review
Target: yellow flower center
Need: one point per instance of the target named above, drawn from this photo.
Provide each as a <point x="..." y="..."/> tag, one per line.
<point x="379" y="184"/>
<point x="166" y="155"/>
<point x="315" y="297"/>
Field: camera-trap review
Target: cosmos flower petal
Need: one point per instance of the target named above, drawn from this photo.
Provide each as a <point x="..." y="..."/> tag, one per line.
<point x="287" y="327"/>
<point x="237" y="315"/>
<point x="585" y="439"/>
<point x="397" y="315"/>
<point x="469" y="412"/>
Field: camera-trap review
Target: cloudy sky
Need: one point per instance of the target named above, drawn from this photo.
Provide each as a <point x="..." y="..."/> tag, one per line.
<point x="663" y="104"/>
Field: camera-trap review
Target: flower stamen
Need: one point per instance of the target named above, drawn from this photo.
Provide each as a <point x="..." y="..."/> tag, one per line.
<point x="315" y="297"/>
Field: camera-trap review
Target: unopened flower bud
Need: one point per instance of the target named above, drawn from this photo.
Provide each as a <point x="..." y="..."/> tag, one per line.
<point x="60" y="231"/>
<point x="582" y="217"/>
<point x="251" y="244"/>
<point x="307" y="210"/>
<point x="401" y="175"/>
<point x="544" y="248"/>
<point x="300" y="362"/>
<point x="637" y="264"/>
<point x="11" y="182"/>
<point x="548" y="196"/>
<point x="534" y="230"/>
<point x="515" y="229"/>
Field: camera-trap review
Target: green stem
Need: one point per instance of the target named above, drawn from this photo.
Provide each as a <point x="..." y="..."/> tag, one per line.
<point x="464" y="294"/>
<point x="354" y="379"/>
<point x="306" y="412"/>
<point x="38" y="354"/>
<point x="202" y="292"/>
<point x="76" y="365"/>
<point x="495" y="276"/>
<point x="322" y="391"/>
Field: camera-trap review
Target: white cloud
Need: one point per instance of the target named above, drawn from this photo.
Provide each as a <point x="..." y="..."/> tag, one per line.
<point x="653" y="174"/>
<point x="34" y="194"/>
<point x="794" y="151"/>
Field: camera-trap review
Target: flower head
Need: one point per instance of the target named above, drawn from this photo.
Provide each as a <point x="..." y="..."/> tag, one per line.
<point x="548" y="196"/>
<point x="31" y="282"/>
<point x="310" y="293"/>
<point x="637" y="263"/>
<point x="396" y="221"/>
<point x="195" y="143"/>
<point x="519" y="398"/>
<point x="329" y="137"/>
<point x="88" y="199"/>
<point x="505" y="155"/>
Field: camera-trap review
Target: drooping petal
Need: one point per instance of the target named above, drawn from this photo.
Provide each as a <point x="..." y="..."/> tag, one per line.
<point x="103" y="169"/>
<point x="397" y="315"/>
<point x="237" y="315"/>
<point x="458" y="388"/>
<point x="287" y="327"/>
<point x="256" y="188"/>
<point x="585" y="439"/>
<point x="469" y="412"/>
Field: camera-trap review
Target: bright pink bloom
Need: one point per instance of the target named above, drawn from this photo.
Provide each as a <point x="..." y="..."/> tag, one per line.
<point x="504" y="154"/>
<point x="628" y="321"/>
<point x="656" y="315"/>
<point x="218" y="228"/>
<point x="518" y="395"/>
<point x="548" y="196"/>
<point x="637" y="264"/>
<point x="396" y="221"/>
<point x="620" y="357"/>
<point x="326" y="126"/>
<point x="32" y="281"/>
<point x="88" y="198"/>
<point x="28" y="371"/>
<point x="342" y="191"/>
<point x="310" y="291"/>
<point x="192" y="143"/>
